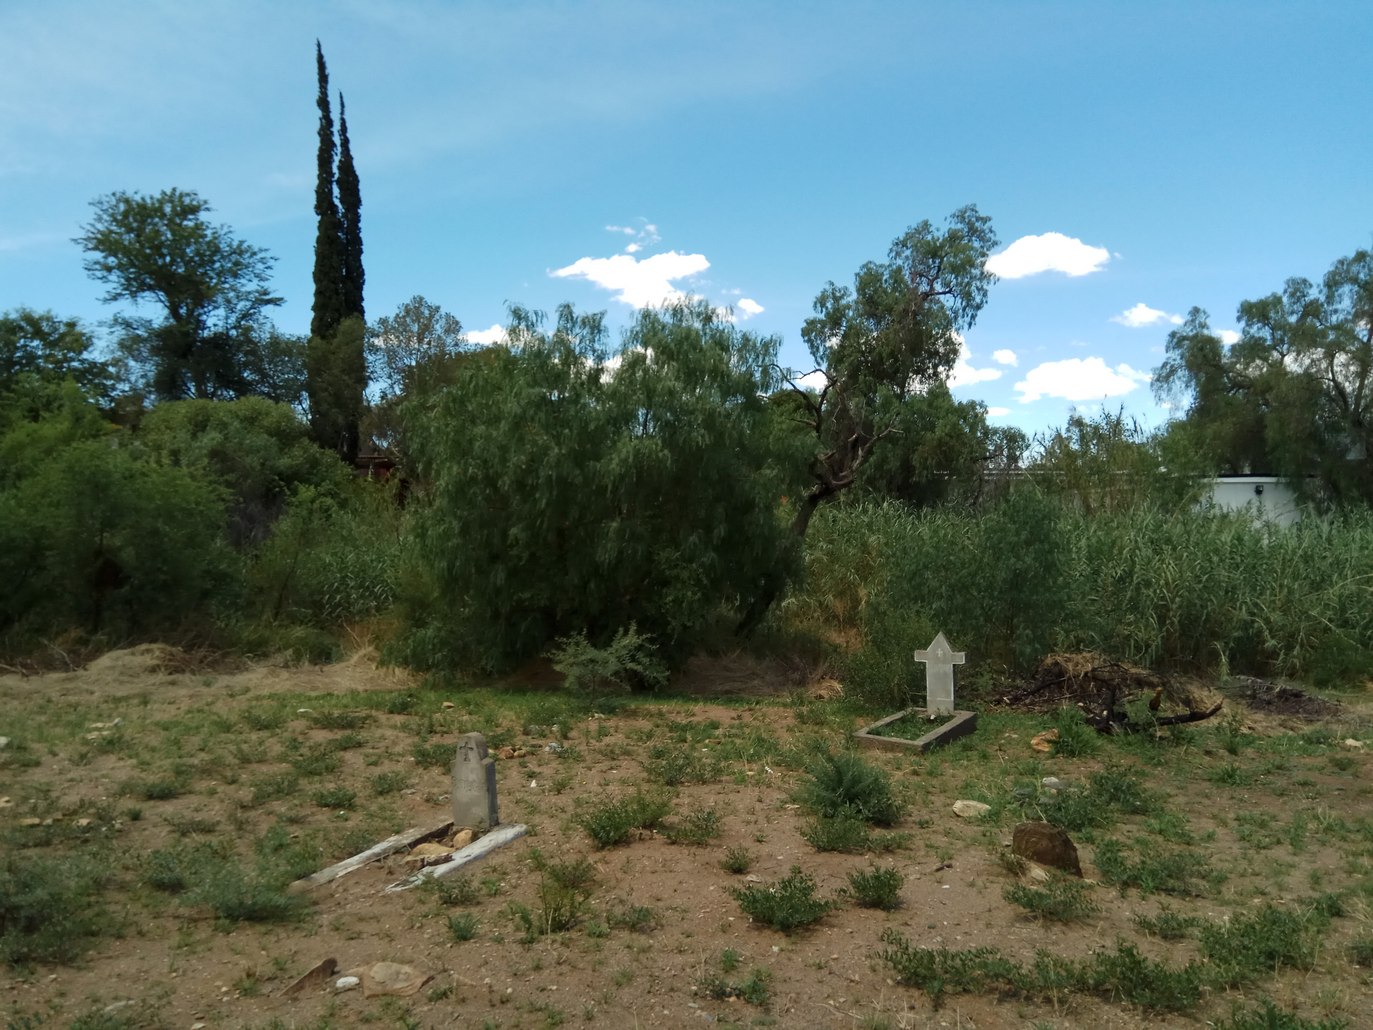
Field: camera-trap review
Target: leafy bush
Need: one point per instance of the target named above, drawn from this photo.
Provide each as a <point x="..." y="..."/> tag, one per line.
<point x="1269" y="1017"/>
<point x="610" y="821"/>
<point x="50" y="908"/>
<point x="1250" y="946"/>
<point x="877" y="887"/>
<point x="843" y="785"/>
<point x="785" y="905"/>
<point x="565" y="498"/>
<point x="628" y="662"/>
<point x="1063" y="899"/>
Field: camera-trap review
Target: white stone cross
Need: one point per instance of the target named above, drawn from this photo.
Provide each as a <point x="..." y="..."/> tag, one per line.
<point x="939" y="661"/>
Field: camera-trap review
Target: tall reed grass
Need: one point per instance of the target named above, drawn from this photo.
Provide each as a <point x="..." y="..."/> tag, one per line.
<point x="1192" y="590"/>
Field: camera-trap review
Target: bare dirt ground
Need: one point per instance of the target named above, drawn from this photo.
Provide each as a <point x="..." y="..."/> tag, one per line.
<point x="144" y="754"/>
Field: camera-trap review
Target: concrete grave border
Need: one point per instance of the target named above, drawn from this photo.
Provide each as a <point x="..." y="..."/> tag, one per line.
<point x="962" y="724"/>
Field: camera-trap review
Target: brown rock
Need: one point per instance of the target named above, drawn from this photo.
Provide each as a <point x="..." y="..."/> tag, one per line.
<point x="314" y="979"/>
<point x="390" y="978"/>
<point x="462" y="838"/>
<point x="1048" y="845"/>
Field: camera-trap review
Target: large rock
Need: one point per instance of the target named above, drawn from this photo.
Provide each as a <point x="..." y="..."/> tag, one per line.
<point x="1048" y="845"/>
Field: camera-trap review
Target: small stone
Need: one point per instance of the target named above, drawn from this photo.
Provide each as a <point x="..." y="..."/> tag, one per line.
<point x="447" y="705"/>
<point x="31" y="821"/>
<point x="347" y="983"/>
<point x="554" y="748"/>
<point x="970" y="809"/>
<point x="463" y="838"/>
<point x="1051" y="783"/>
<point x="1351" y="744"/>
<point x="1044" y="741"/>
<point x="4" y="742"/>
<point x="5" y="802"/>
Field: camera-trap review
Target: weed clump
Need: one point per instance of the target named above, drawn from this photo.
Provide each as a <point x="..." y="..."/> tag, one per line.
<point x="564" y="890"/>
<point x="1063" y="899"/>
<point x="50" y="909"/>
<point x="610" y="822"/>
<point x="1249" y="947"/>
<point x="785" y="905"/>
<point x="843" y="785"/>
<point x="877" y="887"/>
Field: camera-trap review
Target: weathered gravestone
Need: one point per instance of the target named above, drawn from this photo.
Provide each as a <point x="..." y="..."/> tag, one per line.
<point x="474" y="784"/>
<point x="939" y="659"/>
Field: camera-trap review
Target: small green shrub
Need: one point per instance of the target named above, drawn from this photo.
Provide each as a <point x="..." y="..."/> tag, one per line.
<point x="845" y="785"/>
<point x="697" y="827"/>
<point x="564" y="890"/>
<point x="1269" y="1017"/>
<point x="1168" y="925"/>
<point x="50" y="908"/>
<point x="1361" y="951"/>
<point x="629" y="662"/>
<point x="785" y="905"/>
<point x="272" y="787"/>
<point x="738" y="860"/>
<point x="391" y="782"/>
<point x="336" y="797"/>
<point x="675" y="764"/>
<point x="877" y="887"/>
<point x="320" y="759"/>
<point x="1131" y="977"/>
<point x="433" y="756"/>
<point x="236" y="895"/>
<point x="611" y="821"/>
<point x="1063" y="899"/>
<point x="1153" y="870"/>
<point x="638" y="918"/>
<point x="1076" y="739"/>
<point x="754" y="989"/>
<point x="453" y="890"/>
<point x="333" y="720"/>
<point x="844" y="835"/>
<point x="1252" y="946"/>
<point x="463" y="926"/>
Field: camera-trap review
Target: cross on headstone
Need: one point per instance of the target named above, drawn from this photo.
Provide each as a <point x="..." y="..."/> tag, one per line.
<point x="939" y="659"/>
<point x="474" y="784"/>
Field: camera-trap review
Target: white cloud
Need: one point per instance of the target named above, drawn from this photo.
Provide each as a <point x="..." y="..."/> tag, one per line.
<point x="634" y="248"/>
<point x="486" y="337"/>
<point x="749" y="307"/>
<point x="626" y="229"/>
<point x="1048" y="252"/>
<point x="964" y="374"/>
<point x="815" y="380"/>
<point x="1142" y="314"/>
<point x="640" y="284"/>
<point x="1228" y="336"/>
<point x="1005" y="357"/>
<point x="1078" y="379"/>
<point x="998" y="412"/>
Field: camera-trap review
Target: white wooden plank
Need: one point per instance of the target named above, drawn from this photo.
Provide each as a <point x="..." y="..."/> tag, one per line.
<point x="404" y="839"/>
<point x="478" y="849"/>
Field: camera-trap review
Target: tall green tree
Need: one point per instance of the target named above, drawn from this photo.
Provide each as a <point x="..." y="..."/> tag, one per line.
<point x="328" y="310"/>
<point x="336" y="368"/>
<point x="410" y="356"/>
<point x="1294" y="396"/>
<point x="572" y="492"/>
<point x="38" y="352"/>
<point x="210" y="290"/>
<point x="350" y="212"/>
<point x="895" y="332"/>
<point x="892" y="334"/>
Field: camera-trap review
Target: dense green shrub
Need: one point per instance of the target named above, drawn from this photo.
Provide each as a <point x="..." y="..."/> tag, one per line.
<point x="257" y="450"/>
<point x="570" y="493"/>
<point x="100" y="539"/>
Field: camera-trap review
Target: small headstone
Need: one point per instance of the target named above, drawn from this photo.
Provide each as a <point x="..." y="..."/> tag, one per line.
<point x="939" y="659"/>
<point x="474" y="784"/>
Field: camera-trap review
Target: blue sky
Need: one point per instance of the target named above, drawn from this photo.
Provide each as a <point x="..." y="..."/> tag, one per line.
<point x="1137" y="158"/>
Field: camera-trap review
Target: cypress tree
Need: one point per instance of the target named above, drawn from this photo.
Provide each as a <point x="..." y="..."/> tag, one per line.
<point x="329" y="246"/>
<point x="350" y="205"/>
